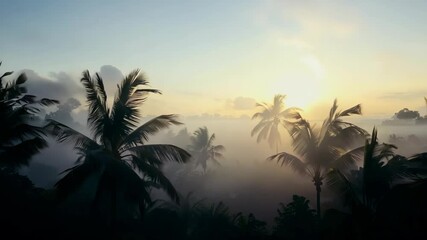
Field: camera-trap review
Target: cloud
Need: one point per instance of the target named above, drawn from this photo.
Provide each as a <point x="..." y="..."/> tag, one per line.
<point x="320" y="19"/>
<point x="243" y="103"/>
<point x="410" y="95"/>
<point x="305" y="24"/>
<point x="313" y="63"/>
<point x="64" y="114"/>
<point x="59" y="86"/>
<point x="111" y="76"/>
<point x="110" y="73"/>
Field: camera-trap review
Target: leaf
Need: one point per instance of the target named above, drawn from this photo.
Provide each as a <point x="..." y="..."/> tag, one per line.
<point x="125" y="110"/>
<point x="77" y="175"/>
<point x="63" y="133"/>
<point x="142" y="133"/>
<point x="161" y="152"/>
<point x="290" y="160"/>
<point x="98" y="118"/>
<point x="48" y="102"/>
<point x="5" y="75"/>
<point x="19" y="155"/>
<point x="156" y="176"/>
<point x="22" y="78"/>
<point x="351" y="111"/>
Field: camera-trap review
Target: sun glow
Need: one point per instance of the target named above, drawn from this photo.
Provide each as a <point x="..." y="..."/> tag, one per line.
<point x="301" y="92"/>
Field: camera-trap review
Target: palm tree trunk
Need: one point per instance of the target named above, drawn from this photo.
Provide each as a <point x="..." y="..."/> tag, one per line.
<point x="113" y="210"/>
<point x="318" y="190"/>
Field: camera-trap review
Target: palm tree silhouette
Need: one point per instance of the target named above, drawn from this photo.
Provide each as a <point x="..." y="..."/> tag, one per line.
<point x="272" y="117"/>
<point x="320" y="150"/>
<point x="203" y="150"/>
<point x="366" y="186"/>
<point x="20" y="138"/>
<point x="117" y="155"/>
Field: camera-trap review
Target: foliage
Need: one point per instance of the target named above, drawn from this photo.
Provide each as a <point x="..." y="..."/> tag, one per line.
<point x="320" y="150"/>
<point x="296" y="220"/>
<point x="272" y="118"/>
<point x="368" y="185"/>
<point x="215" y="222"/>
<point x="116" y="157"/>
<point x="203" y="150"/>
<point x="407" y="114"/>
<point x="20" y="138"/>
<point x="250" y="228"/>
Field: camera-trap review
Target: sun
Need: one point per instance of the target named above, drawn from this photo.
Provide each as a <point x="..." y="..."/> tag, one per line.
<point x="301" y="92"/>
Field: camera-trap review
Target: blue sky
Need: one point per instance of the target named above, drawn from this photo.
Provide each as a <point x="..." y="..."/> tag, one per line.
<point x="219" y="52"/>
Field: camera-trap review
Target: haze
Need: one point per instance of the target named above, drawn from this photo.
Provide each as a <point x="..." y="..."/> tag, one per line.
<point x="213" y="61"/>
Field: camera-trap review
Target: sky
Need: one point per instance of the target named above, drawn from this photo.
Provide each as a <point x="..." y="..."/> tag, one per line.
<point x="220" y="57"/>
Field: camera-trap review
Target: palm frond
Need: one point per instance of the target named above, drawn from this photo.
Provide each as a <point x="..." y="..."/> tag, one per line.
<point x="128" y="181"/>
<point x="211" y="139"/>
<point x="291" y="113"/>
<point x="155" y="175"/>
<point x="263" y="133"/>
<point x="355" y="110"/>
<point x="258" y="127"/>
<point x="271" y="118"/>
<point x="63" y="133"/>
<point x="77" y="175"/>
<point x="348" y="160"/>
<point x="5" y="75"/>
<point x="48" y="102"/>
<point x="161" y="152"/>
<point x="101" y="89"/>
<point x="304" y="138"/>
<point x="18" y="155"/>
<point x="218" y="148"/>
<point x="125" y="111"/>
<point x="340" y="184"/>
<point x="200" y="140"/>
<point x="142" y="133"/>
<point x="287" y="159"/>
<point x="98" y="116"/>
<point x="18" y="130"/>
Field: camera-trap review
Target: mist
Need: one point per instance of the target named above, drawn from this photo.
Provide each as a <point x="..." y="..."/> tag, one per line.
<point x="245" y="181"/>
<point x="231" y="120"/>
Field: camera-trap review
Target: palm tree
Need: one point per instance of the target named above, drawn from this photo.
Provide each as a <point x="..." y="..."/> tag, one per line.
<point x="366" y="186"/>
<point x="320" y="150"/>
<point x="364" y="190"/>
<point x="20" y="138"/>
<point x="117" y="155"/>
<point x="425" y="99"/>
<point x="272" y="117"/>
<point x="203" y="150"/>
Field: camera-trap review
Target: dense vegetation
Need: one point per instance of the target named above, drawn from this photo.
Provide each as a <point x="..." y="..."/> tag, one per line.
<point x="107" y="194"/>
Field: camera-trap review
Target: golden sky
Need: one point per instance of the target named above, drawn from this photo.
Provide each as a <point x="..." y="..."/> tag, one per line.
<point x="219" y="57"/>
